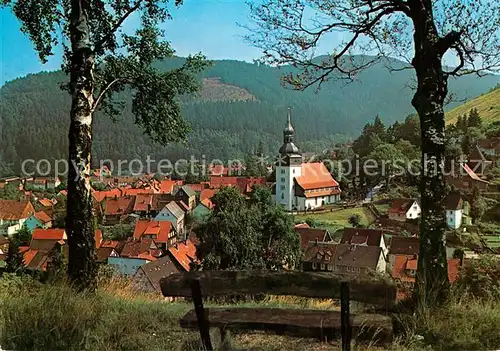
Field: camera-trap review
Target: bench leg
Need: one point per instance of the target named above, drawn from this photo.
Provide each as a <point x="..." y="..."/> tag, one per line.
<point x="223" y="334"/>
<point x="345" y="325"/>
<point x="201" y="315"/>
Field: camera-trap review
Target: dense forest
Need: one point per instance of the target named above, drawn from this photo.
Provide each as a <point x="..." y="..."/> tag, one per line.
<point x="226" y="124"/>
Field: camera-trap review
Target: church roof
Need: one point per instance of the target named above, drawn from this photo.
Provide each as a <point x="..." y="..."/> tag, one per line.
<point x="289" y="148"/>
<point x="314" y="176"/>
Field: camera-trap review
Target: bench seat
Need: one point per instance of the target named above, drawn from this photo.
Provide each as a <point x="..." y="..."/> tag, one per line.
<point x="305" y="323"/>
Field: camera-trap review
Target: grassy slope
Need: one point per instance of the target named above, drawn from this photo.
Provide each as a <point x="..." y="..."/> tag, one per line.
<point x="488" y="106"/>
<point x="334" y="220"/>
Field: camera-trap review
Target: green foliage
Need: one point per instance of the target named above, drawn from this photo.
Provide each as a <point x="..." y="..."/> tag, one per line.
<point x="478" y="205"/>
<point x="117" y="232"/>
<point x="241" y="235"/>
<point x="24" y="236"/>
<point x="54" y="317"/>
<point x="220" y="129"/>
<point x="11" y="192"/>
<point x="355" y="220"/>
<point x="481" y="277"/>
<point x="14" y="260"/>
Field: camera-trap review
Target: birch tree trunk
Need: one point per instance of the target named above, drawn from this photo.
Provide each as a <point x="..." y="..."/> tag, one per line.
<point x="432" y="277"/>
<point x="79" y="224"/>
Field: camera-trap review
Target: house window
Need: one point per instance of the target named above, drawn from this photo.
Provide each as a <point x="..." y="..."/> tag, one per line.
<point x="348" y="268"/>
<point x="410" y="215"/>
<point x="282" y="171"/>
<point x="322" y="266"/>
<point x="282" y="196"/>
<point x="293" y="171"/>
<point x="282" y="187"/>
<point x="330" y="267"/>
<point x="282" y="179"/>
<point x="314" y="265"/>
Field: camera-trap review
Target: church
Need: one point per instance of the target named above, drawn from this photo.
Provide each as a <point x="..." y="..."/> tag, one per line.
<point x="301" y="185"/>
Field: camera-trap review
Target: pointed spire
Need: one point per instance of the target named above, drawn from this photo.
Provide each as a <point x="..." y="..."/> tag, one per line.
<point x="289" y="116"/>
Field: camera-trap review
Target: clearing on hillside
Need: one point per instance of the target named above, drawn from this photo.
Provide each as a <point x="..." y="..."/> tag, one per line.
<point x="488" y="106"/>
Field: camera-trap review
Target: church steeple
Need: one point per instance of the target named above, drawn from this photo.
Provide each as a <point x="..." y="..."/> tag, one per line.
<point x="288" y="146"/>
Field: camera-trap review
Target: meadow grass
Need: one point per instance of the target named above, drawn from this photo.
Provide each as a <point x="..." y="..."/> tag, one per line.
<point x="334" y="220"/>
<point x="488" y="106"/>
<point x="38" y="316"/>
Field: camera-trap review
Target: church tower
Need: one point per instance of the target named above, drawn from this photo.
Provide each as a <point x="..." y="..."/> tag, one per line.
<point x="288" y="167"/>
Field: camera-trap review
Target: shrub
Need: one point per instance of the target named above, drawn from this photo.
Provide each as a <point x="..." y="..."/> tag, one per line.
<point x="481" y="277"/>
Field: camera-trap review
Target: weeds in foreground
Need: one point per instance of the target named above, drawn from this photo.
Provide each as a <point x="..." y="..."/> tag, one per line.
<point x="35" y="316"/>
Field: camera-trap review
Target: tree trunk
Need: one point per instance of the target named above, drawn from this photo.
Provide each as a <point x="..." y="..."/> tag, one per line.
<point x="432" y="277"/>
<point x="79" y="225"/>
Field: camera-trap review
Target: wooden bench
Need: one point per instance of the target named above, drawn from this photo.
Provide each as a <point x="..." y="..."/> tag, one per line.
<point x="324" y="324"/>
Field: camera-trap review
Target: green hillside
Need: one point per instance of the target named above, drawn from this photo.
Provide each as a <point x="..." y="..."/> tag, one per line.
<point x="240" y="106"/>
<point x="488" y="106"/>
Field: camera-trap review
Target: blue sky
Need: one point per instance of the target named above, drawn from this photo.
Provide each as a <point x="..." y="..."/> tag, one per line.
<point x="208" y="26"/>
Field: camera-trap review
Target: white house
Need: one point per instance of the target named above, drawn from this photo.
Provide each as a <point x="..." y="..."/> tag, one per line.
<point x="455" y="210"/>
<point x="174" y="214"/>
<point x="301" y="186"/>
<point x="13" y="214"/>
<point x="403" y="209"/>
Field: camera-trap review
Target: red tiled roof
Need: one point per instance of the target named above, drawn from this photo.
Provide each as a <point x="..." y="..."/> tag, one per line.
<point x="207" y="193"/>
<point x="315" y="175"/>
<point x="371" y="236"/>
<point x="43" y="217"/>
<point x="311" y="234"/>
<point x="107" y="194"/>
<point x="113" y="244"/>
<point x="134" y="248"/>
<point x="184" y="253"/>
<point x="143" y="202"/>
<point x="219" y="182"/>
<point x="63" y="192"/>
<point x="490" y="143"/>
<point x="48" y="234"/>
<point x="167" y="186"/>
<point x="29" y="256"/>
<point x="401" y="245"/>
<point x="208" y="203"/>
<point x="401" y="206"/>
<point x="302" y="225"/>
<point x="135" y="192"/>
<point x="45" y="202"/>
<point x="12" y="210"/>
<point x="401" y="264"/>
<point x="161" y="229"/>
<point x="119" y="206"/>
<point x="147" y="256"/>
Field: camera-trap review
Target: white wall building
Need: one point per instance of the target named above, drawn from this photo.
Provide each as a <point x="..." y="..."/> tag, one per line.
<point x="301" y="186"/>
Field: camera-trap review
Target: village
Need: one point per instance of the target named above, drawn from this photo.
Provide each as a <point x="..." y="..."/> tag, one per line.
<point x="146" y="224"/>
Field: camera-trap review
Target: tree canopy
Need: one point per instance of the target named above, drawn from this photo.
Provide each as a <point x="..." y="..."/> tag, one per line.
<point x="245" y="235"/>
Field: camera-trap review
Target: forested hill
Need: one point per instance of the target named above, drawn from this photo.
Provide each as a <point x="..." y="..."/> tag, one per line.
<point x="241" y="105"/>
